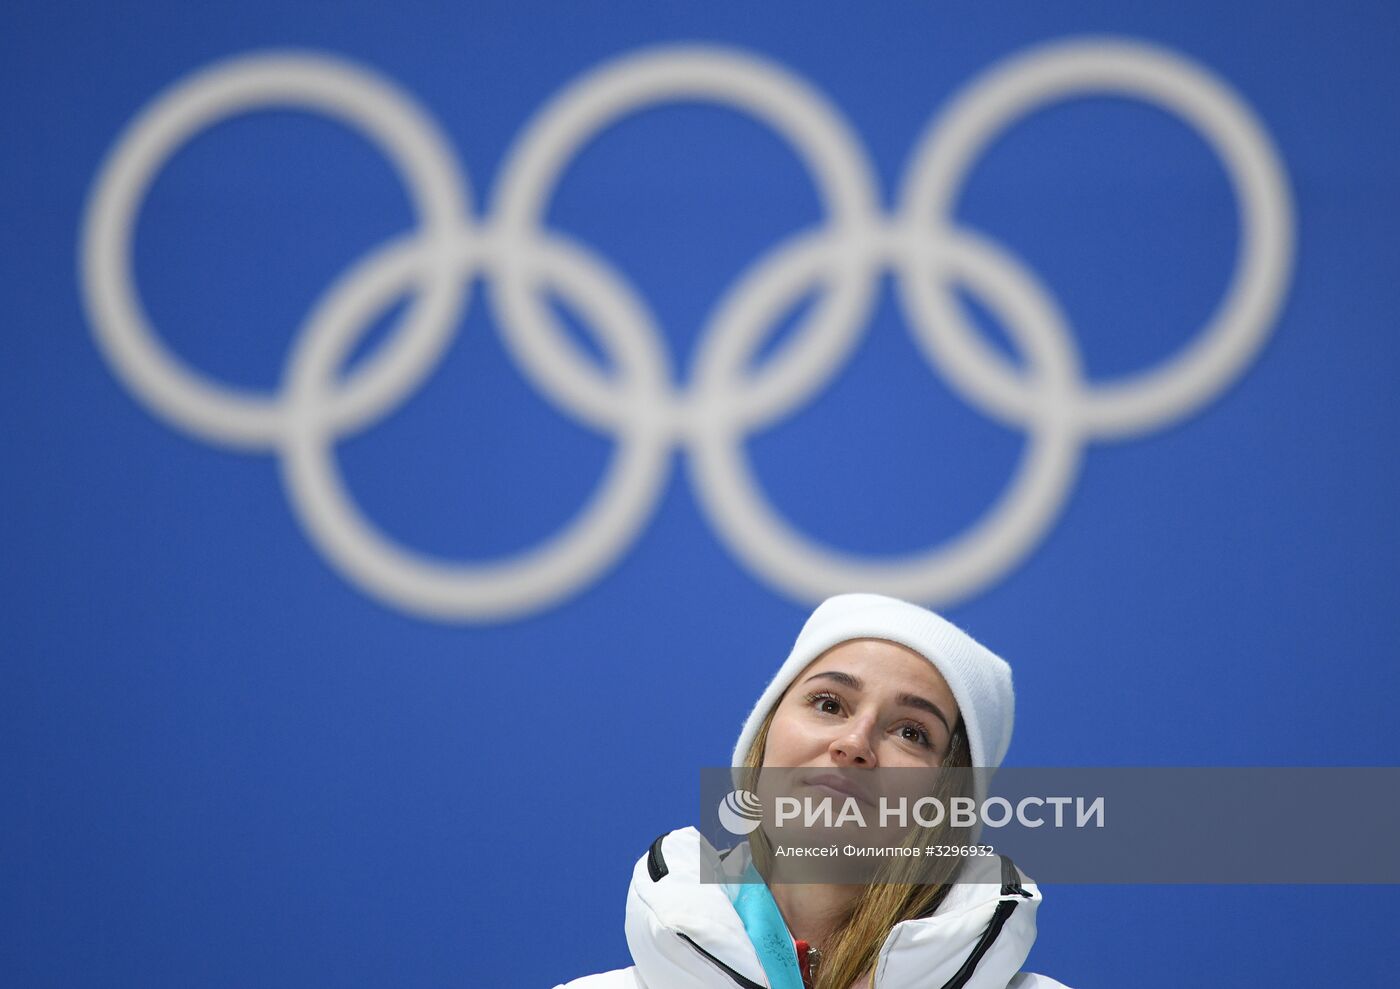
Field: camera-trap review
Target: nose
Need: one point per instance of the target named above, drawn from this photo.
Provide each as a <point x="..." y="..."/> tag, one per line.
<point x="852" y="747"/>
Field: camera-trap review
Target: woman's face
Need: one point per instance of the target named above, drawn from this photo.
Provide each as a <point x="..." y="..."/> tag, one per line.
<point x="864" y="704"/>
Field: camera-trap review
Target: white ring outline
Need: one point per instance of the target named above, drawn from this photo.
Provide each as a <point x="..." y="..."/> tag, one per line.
<point x="1003" y="534"/>
<point x="1059" y="409"/>
<point x="814" y="130"/>
<point x="1243" y="319"/>
<point x="185" y="398"/>
<point x="547" y="572"/>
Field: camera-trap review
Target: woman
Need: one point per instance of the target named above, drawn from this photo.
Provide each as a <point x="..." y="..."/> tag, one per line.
<point x="871" y="682"/>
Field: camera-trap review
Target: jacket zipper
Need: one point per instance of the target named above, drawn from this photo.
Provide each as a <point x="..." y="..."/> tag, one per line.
<point x="1010" y="886"/>
<point x="657" y="869"/>
<point x="739" y="979"/>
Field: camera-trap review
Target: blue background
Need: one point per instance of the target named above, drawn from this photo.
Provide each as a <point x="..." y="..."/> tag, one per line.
<point x="223" y="765"/>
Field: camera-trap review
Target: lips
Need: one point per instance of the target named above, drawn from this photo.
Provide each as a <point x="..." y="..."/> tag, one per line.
<point x="841" y="784"/>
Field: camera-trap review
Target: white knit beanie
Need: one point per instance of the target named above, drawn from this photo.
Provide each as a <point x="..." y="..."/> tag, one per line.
<point x="979" y="679"/>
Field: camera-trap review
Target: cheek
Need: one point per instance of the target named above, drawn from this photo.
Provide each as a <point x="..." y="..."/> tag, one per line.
<point x="789" y="742"/>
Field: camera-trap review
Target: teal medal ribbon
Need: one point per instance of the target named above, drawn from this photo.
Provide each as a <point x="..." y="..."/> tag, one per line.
<point x="764" y="925"/>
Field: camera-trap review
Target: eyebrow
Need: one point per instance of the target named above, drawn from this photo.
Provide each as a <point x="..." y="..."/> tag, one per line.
<point x="908" y="700"/>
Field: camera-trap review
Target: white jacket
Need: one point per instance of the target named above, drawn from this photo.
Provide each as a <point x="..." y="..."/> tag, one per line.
<point x="685" y="934"/>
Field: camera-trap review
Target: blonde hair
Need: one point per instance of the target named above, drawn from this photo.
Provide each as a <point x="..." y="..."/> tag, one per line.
<point x="903" y="888"/>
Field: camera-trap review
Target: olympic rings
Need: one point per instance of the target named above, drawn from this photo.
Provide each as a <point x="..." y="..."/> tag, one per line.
<point x="711" y="415"/>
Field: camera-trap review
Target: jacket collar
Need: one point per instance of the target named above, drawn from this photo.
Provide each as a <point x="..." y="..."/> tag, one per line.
<point x="685" y="934"/>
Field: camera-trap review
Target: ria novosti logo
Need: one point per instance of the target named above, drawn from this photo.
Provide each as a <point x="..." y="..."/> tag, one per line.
<point x="740" y="812"/>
